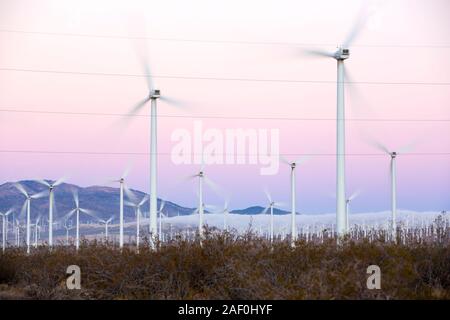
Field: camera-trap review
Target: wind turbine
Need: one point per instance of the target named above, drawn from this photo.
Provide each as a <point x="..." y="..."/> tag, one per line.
<point x="51" y="202"/>
<point x="122" y="189"/>
<point x="202" y="178"/>
<point x="4" y="227"/>
<point x="27" y="206"/>
<point x="153" y="95"/>
<point x="293" y="165"/>
<point x="347" y="205"/>
<point x="340" y="55"/>
<point x="77" y="211"/>
<point x="106" y="222"/>
<point x="270" y="207"/>
<point x="67" y="232"/>
<point x="137" y="209"/>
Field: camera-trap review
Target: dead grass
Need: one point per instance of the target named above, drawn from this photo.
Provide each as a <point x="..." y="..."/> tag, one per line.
<point x="227" y="266"/>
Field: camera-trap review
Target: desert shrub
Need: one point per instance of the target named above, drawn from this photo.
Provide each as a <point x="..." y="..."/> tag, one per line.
<point x="231" y="266"/>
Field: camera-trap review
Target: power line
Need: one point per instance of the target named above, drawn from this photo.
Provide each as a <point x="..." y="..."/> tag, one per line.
<point x="215" y="117"/>
<point x="181" y="77"/>
<point x="220" y="154"/>
<point x="264" y="43"/>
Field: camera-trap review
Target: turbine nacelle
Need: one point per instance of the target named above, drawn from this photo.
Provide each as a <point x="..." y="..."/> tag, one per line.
<point x="155" y="94"/>
<point x="341" y="54"/>
<point x="201" y="174"/>
<point x="393" y="154"/>
<point x="293" y="165"/>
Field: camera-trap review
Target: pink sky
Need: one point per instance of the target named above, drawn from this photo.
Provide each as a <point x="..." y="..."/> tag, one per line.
<point x="424" y="181"/>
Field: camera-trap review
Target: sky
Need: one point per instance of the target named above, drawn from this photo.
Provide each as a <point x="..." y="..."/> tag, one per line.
<point x="399" y="59"/>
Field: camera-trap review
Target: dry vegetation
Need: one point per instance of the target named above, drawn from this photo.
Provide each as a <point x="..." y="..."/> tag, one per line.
<point x="227" y="266"/>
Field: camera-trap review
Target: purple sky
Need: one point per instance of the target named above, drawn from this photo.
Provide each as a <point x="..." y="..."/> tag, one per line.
<point x="415" y="34"/>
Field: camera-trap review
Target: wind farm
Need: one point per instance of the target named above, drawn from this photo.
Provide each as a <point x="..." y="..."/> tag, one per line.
<point x="230" y="158"/>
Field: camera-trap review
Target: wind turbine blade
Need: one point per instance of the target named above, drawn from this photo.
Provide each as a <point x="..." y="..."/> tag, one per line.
<point x="39" y="194"/>
<point x="161" y="206"/>
<point x="285" y="160"/>
<point x="110" y="219"/>
<point x="21" y="189"/>
<point x="59" y="181"/>
<point x="358" y="25"/>
<point x="302" y="159"/>
<point x="42" y="181"/>
<point x="375" y="143"/>
<point x="138" y="106"/>
<point x="70" y="213"/>
<point x="173" y="102"/>
<point x="126" y="172"/>
<point x="75" y="197"/>
<point x="408" y="148"/>
<point x="89" y="212"/>
<point x="354" y="195"/>
<point x="9" y="212"/>
<point x="129" y="204"/>
<point x="130" y="194"/>
<point x="265" y="210"/>
<point x="144" y="200"/>
<point x="267" y="193"/>
<point x="317" y="53"/>
<point x="23" y="209"/>
<point x="214" y="186"/>
<point x="225" y="206"/>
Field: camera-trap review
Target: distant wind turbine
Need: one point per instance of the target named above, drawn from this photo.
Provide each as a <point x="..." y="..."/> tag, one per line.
<point x="77" y="210"/>
<point x="393" y="172"/>
<point x="27" y="206"/>
<point x="106" y="222"/>
<point x="137" y="210"/>
<point x="270" y="207"/>
<point x="202" y="178"/>
<point x="4" y="227"/>
<point x="51" y="200"/>
<point x="121" y="217"/>
<point x="293" y="165"/>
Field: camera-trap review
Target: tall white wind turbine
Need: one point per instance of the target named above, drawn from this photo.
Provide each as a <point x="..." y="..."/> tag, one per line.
<point x="4" y="227"/>
<point x="202" y="178"/>
<point x="122" y="188"/>
<point x="270" y="207"/>
<point x="27" y="207"/>
<point x="137" y="210"/>
<point x="340" y="55"/>
<point x="153" y="95"/>
<point x="293" y="166"/>
<point x="77" y="210"/>
<point x="51" y="202"/>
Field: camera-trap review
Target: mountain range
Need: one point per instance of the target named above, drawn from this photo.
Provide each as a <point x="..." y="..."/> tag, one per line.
<point x="102" y="200"/>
